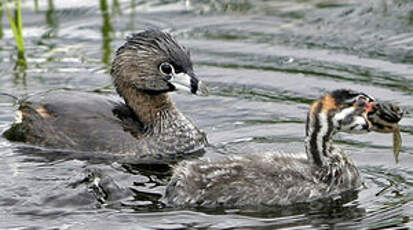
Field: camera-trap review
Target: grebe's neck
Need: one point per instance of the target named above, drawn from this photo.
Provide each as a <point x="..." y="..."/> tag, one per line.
<point x="319" y="133"/>
<point x="165" y="127"/>
<point x="150" y="109"/>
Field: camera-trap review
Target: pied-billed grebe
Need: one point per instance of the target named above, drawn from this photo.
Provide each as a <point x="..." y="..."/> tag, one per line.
<point x="274" y="179"/>
<point x="145" y="68"/>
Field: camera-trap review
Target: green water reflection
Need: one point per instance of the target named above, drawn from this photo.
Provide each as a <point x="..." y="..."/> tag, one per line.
<point x="51" y="20"/>
<point x="131" y="23"/>
<point x="1" y="19"/>
<point x="107" y="31"/>
<point x="36" y="5"/>
<point x="116" y="10"/>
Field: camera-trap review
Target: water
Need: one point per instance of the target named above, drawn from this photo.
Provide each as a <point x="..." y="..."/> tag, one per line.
<point x="264" y="62"/>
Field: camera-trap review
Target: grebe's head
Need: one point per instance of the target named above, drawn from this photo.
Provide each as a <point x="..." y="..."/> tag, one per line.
<point x="152" y="62"/>
<point x="341" y="111"/>
<point x="345" y="111"/>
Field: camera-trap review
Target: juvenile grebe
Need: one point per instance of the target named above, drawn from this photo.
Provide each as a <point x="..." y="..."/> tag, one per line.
<point x="145" y="68"/>
<point x="274" y="179"/>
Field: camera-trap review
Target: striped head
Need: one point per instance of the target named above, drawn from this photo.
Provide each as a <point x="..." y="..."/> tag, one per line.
<point x="339" y="111"/>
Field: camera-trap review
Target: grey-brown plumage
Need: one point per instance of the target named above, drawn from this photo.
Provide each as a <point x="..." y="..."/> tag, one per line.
<point x="269" y="179"/>
<point x="274" y="178"/>
<point x="148" y="126"/>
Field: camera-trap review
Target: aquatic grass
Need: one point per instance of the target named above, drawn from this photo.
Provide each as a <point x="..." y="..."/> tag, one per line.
<point x="1" y="17"/>
<point x="16" y="25"/>
<point x="116" y="10"/>
<point x="107" y="32"/>
<point x="51" y="21"/>
<point x="131" y="23"/>
<point x="36" y="6"/>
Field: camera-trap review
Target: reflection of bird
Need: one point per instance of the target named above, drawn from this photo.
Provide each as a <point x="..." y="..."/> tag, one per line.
<point x="280" y="178"/>
<point x="145" y="68"/>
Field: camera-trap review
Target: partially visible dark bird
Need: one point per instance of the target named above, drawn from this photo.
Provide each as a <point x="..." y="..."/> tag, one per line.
<point x="147" y="125"/>
<point x="276" y="178"/>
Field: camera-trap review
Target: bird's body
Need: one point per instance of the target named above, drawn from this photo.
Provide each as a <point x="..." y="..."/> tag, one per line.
<point x="274" y="178"/>
<point x="145" y="124"/>
<point x="266" y="179"/>
<point x="63" y="119"/>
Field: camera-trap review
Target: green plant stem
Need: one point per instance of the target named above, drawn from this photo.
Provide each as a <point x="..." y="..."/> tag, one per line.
<point x="16" y="25"/>
<point x="1" y="18"/>
<point x="107" y="31"/>
<point x="36" y="6"/>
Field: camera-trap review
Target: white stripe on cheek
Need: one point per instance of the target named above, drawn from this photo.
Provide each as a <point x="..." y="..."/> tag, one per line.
<point x="344" y="113"/>
<point x="360" y="122"/>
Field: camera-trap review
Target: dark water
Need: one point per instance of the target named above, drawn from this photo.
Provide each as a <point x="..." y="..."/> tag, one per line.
<point x="264" y="62"/>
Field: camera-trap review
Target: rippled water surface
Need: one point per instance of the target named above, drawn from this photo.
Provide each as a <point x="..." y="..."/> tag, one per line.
<point x="264" y="62"/>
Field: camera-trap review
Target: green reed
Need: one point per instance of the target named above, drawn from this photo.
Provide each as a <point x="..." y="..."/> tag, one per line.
<point x="107" y="32"/>
<point x="16" y="25"/>
<point x="1" y="17"/>
<point x="36" y="6"/>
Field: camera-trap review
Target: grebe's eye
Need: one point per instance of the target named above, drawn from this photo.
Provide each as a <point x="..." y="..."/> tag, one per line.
<point x="362" y="101"/>
<point x="166" y="69"/>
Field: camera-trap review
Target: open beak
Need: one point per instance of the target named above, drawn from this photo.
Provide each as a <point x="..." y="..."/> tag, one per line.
<point x="369" y="109"/>
<point x="186" y="82"/>
<point x="370" y="106"/>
